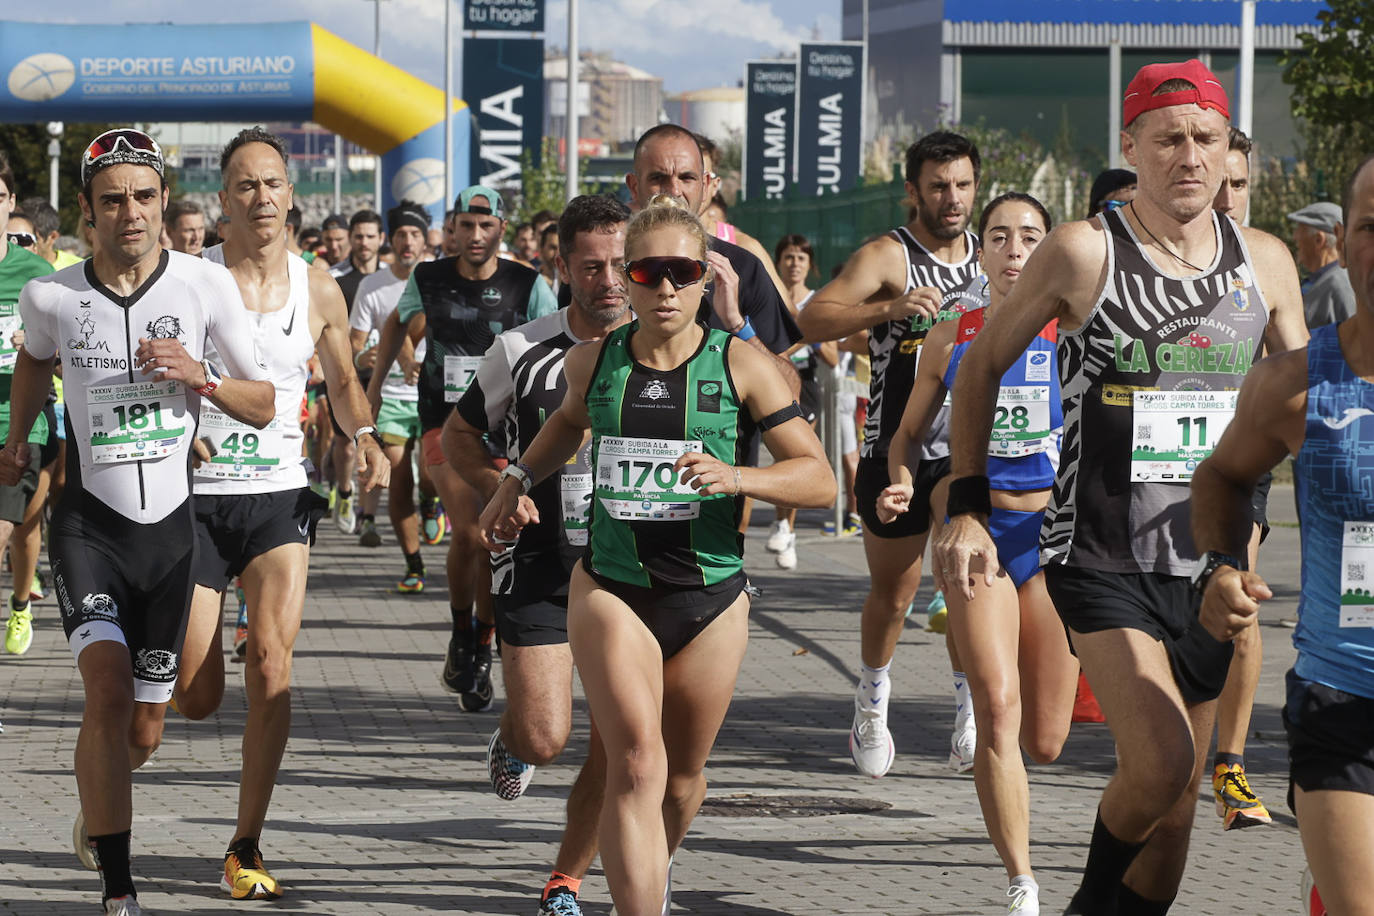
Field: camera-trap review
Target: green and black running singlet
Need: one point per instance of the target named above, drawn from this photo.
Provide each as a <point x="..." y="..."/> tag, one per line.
<point x="648" y="528"/>
<point x="1149" y="382"/>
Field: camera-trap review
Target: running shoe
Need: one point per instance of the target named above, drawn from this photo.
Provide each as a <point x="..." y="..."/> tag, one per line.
<point x="779" y="536"/>
<point x="345" y="519"/>
<point x="245" y="877"/>
<point x="560" y="902"/>
<point x="433" y="521"/>
<point x="413" y="583"/>
<point x="82" y="844"/>
<point x="962" y="744"/>
<point x="457" y="674"/>
<point x="1237" y="806"/>
<point x="937" y="614"/>
<point x="870" y="743"/>
<point x="479" y="697"/>
<point x="1311" y="900"/>
<point x="19" y="630"/>
<point x="369" y="536"/>
<point x="241" y="627"/>
<point x="510" y="776"/>
<point x="853" y="525"/>
<point x="787" y="557"/>
<point x="1025" y="900"/>
<point x="1085" y="705"/>
<point x="124" y="906"/>
<point x="39" y="587"/>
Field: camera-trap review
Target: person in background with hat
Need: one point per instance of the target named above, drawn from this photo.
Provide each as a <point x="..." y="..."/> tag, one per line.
<point x="1111" y="189"/>
<point x="1161" y="308"/>
<point x="457" y="306"/>
<point x="1326" y="294"/>
<point x="398" y="422"/>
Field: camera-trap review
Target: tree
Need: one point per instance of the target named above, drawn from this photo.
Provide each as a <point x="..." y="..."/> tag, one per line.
<point x="26" y="145"/>
<point x="1332" y="76"/>
<point x="544" y="188"/>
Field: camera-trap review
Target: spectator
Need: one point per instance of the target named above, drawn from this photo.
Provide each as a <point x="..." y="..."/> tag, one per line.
<point x="186" y="226"/>
<point x="1326" y="294"/>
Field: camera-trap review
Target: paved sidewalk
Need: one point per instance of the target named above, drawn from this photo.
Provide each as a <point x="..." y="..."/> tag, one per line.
<point x="383" y="805"/>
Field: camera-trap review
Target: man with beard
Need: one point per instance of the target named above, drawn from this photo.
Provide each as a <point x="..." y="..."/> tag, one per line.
<point x="457" y="306"/>
<point x="519" y="383"/>
<point x="896" y="287"/>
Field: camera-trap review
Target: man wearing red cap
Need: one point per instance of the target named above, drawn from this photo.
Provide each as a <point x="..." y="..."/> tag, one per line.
<point x="1162" y="307"/>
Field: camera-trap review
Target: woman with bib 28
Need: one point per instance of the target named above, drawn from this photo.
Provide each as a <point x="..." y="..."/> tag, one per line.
<point x="657" y="614"/>
<point x="1010" y="639"/>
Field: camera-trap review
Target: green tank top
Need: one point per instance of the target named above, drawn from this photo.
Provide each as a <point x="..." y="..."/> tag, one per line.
<point x="647" y="528"/>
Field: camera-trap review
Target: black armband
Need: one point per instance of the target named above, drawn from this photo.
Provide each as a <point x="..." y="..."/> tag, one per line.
<point x="969" y="494"/>
<point x="779" y="417"/>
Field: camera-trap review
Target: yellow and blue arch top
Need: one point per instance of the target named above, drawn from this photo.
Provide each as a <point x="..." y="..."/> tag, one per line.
<point x="281" y="71"/>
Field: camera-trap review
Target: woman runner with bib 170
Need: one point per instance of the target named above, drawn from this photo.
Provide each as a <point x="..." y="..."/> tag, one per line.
<point x="657" y="614"/>
<point x="1010" y="639"/>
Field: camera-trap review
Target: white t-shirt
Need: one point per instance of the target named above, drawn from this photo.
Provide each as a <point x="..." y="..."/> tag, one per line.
<point x="378" y="294"/>
<point x="131" y="431"/>
<point x="249" y="460"/>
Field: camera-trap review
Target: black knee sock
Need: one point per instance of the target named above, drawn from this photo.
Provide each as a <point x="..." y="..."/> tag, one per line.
<point x="366" y="518"/>
<point x="1129" y="903"/>
<point x="1228" y="760"/>
<point x="112" y="852"/>
<point x="462" y="621"/>
<point x="1108" y="859"/>
<point x="414" y="562"/>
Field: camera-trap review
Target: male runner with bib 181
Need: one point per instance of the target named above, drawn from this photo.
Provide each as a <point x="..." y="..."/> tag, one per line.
<point x="1162" y="306"/>
<point x="132" y="327"/>
<point x="255" y="511"/>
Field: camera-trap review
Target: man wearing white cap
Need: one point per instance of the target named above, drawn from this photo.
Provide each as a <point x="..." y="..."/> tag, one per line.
<point x="1326" y="294"/>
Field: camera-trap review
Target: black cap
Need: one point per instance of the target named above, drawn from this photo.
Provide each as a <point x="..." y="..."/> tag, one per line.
<point x="1106" y="184"/>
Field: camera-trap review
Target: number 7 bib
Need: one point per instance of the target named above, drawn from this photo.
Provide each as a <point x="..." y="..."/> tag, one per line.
<point x="136" y="422"/>
<point x="635" y="480"/>
<point x="1173" y="431"/>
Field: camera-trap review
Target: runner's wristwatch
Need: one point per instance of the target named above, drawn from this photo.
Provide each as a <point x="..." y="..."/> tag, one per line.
<point x="520" y="473"/>
<point x="1210" y="562"/>
<point x="212" y="379"/>
<point x="366" y="431"/>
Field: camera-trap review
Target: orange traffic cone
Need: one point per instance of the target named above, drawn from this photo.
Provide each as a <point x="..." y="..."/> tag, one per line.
<point x="1085" y="707"/>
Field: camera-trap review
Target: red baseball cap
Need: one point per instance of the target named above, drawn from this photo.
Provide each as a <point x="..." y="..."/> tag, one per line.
<point x="1140" y="96"/>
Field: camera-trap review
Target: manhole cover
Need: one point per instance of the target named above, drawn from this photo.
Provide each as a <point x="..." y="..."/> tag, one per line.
<point x="744" y="805"/>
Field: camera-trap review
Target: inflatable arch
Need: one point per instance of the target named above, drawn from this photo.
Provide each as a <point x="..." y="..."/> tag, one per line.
<point x="280" y="71"/>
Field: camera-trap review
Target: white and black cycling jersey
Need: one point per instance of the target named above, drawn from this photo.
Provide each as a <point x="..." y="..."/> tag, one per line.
<point x="248" y="460"/>
<point x="131" y="433"/>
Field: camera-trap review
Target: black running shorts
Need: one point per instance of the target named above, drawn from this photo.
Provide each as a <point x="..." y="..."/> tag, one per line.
<point x="676" y="615"/>
<point x="1330" y="738"/>
<point x="232" y="530"/>
<point x="1163" y="607"/>
<point x="869" y="483"/>
<point x="522" y="622"/>
<point x="120" y="581"/>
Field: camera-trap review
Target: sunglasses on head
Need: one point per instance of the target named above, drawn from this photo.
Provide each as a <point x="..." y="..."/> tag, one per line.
<point x="22" y="239"/>
<point x="679" y="271"/>
<point x="137" y="147"/>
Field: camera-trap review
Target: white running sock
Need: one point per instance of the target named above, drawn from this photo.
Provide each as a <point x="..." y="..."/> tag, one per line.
<point x="1026" y="880"/>
<point x="874" y="688"/>
<point x="963" y="700"/>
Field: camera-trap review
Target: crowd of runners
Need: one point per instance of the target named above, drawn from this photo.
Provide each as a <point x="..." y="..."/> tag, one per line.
<point x="581" y="405"/>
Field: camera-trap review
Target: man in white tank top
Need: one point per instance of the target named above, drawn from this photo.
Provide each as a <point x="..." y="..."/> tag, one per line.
<point x="255" y="513"/>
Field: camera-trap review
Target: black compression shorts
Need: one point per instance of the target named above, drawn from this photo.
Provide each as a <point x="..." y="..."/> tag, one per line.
<point x="674" y="614"/>
<point x="120" y="581"/>
<point x="542" y="622"/>
<point x="870" y="481"/>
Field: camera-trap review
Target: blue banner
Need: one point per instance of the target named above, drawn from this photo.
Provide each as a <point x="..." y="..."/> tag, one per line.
<point x="156" y="72"/>
<point x="830" y="100"/>
<point x="503" y="83"/>
<point x="503" y="16"/>
<point x="770" y="118"/>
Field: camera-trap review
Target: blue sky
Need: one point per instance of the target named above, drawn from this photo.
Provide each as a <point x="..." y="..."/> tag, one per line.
<point x="692" y="44"/>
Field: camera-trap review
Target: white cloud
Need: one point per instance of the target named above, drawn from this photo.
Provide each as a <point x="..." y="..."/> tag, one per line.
<point x="678" y="23"/>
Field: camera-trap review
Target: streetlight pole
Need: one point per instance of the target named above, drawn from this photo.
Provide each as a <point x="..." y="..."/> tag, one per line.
<point x="377" y="159"/>
<point x="448" y="103"/>
<point x="55" y="129"/>
<point x="571" y="131"/>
